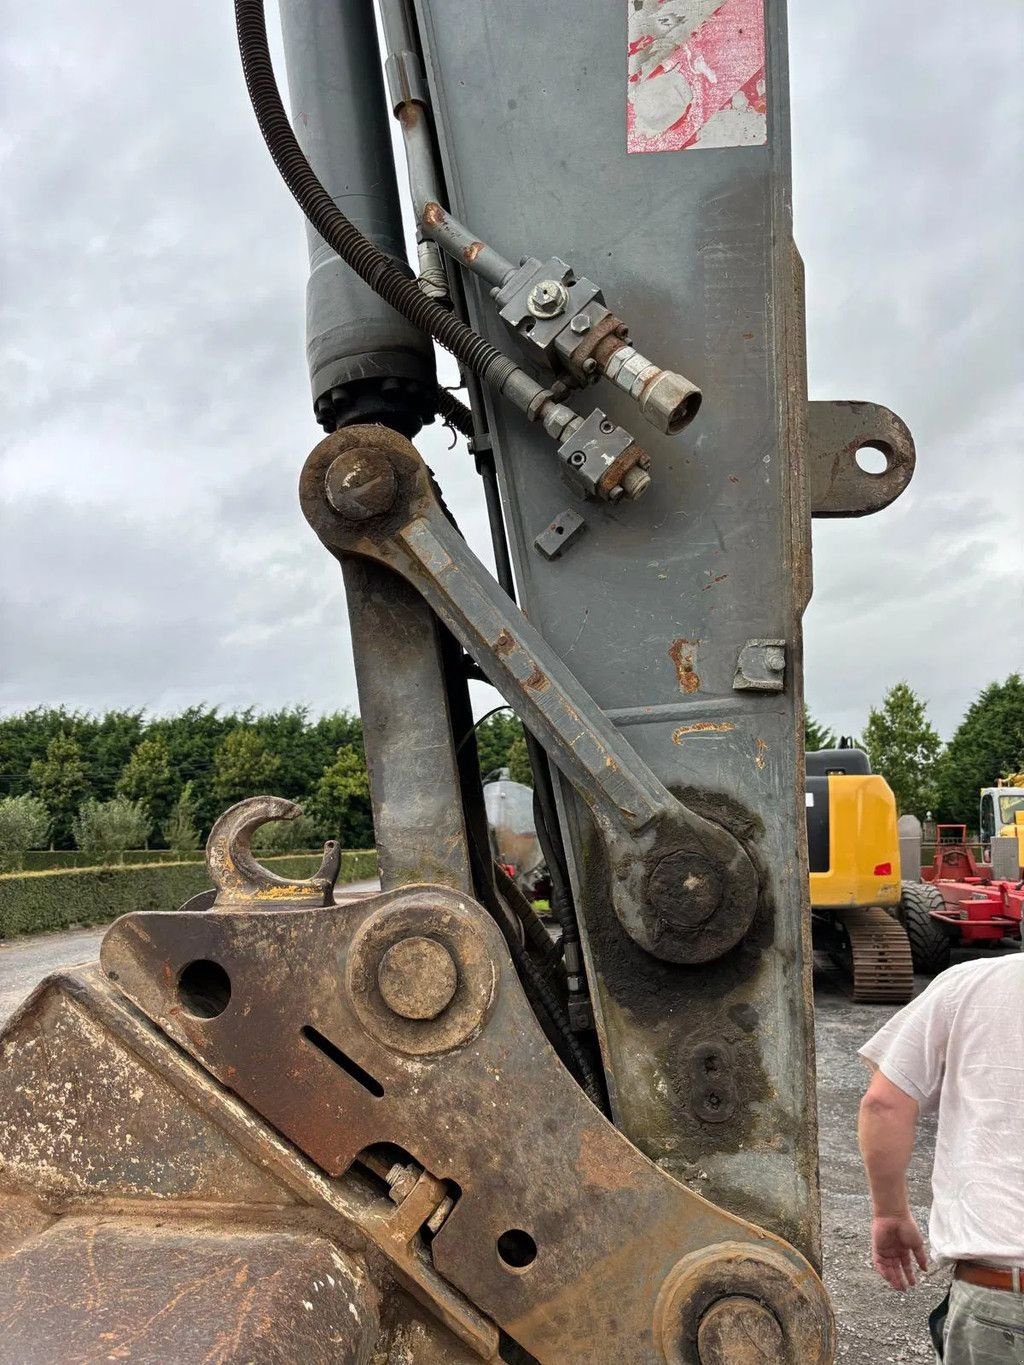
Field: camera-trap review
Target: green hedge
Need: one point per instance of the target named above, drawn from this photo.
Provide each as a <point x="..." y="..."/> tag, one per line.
<point x="45" y="860"/>
<point x="31" y="902"/>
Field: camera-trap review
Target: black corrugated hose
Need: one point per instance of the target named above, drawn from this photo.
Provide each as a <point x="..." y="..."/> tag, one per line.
<point x="370" y="263"/>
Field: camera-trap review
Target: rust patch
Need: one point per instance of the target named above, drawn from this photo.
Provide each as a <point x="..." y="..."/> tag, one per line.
<point x="681" y="653"/>
<point x="759" y="757"/>
<point x="718" y="578"/>
<point x="433" y="214"/>
<point x="598" y="1165"/>
<point x="702" y="727"/>
<point x="504" y="644"/>
<point x="537" y="680"/>
<point x="471" y="252"/>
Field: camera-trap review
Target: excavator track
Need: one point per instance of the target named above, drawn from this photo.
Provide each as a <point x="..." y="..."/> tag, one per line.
<point x="877" y="957"/>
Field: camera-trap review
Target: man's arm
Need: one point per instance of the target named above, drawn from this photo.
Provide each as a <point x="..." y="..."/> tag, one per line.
<point x="886" y="1130"/>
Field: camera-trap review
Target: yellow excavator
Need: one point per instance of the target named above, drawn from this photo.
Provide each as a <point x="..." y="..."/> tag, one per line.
<point x="876" y="927"/>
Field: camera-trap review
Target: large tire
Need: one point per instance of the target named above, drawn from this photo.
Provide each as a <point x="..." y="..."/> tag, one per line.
<point x="930" y="942"/>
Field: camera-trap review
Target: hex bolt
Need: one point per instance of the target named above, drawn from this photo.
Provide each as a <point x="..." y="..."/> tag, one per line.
<point x="739" y="1331"/>
<point x="361" y="484"/>
<point x="547" y="299"/>
<point x="401" y="1181"/>
<point x="417" y="978"/>
<point x="580" y="324"/>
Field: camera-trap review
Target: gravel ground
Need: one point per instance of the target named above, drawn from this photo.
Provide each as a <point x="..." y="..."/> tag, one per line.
<point x="877" y="1326"/>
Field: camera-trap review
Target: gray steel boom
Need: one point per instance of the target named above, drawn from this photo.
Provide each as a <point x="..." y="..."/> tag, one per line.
<point x="416" y="1126"/>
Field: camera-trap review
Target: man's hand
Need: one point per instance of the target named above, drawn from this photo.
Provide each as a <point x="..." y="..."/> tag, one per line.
<point x="896" y="1243"/>
<point x="888" y="1119"/>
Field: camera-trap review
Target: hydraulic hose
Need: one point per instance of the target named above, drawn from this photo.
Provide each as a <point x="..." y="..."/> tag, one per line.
<point x="371" y="264"/>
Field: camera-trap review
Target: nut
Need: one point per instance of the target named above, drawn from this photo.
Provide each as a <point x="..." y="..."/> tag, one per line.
<point x="417" y="978"/>
<point x="547" y="299"/>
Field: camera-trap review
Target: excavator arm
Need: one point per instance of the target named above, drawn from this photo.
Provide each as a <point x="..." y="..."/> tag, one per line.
<point x="418" y="1126"/>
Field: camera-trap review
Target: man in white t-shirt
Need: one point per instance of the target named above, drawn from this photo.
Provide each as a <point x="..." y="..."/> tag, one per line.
<point x="957" y="1049"/>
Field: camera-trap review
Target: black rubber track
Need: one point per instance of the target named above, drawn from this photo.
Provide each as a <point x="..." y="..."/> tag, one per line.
<point x="930" y="944"/>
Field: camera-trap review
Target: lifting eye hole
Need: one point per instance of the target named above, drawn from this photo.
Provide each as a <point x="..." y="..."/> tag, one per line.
<point x="516" y="1249"/>
<point x="873" y="460"/>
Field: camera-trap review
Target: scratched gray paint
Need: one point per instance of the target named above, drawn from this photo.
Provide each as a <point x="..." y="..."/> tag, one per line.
<point x="532" y="126"/>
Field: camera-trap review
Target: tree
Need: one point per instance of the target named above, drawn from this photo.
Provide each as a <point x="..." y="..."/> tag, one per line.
<point x="243" y="766"/>
<point x="180" y="829"/>
<point x="60" y="781"/>
<point x="341" y="802"/>
<point x="288" y="836"/>
<point x="149" y="778"/>
<point x="519" y="769"/>
<point x="108" y="743"/>
<point x="105" y="827"/>
<point x="817" y="736"/>
<point x="988" y="743"/>
<point x="24" y="824"/>
<point x="495" y="736"/>
<point x="904" y="746"/>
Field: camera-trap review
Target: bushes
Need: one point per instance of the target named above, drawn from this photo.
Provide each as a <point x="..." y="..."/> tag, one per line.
<point x="24" y="824"/>
<point x="106" y="827"/>
<point x="31" y="902"/>
<point x="49" y="859"/>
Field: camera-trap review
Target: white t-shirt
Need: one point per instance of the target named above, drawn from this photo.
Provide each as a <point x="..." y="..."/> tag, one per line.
<point x="959" y="1048"/>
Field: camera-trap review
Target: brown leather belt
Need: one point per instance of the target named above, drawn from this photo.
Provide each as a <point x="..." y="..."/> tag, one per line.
<point x="990" y="1276"/>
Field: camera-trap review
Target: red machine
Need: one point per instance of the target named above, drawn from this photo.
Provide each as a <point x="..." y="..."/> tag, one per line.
<point x="978" y="908"/>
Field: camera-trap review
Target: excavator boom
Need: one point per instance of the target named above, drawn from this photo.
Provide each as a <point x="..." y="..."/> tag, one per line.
<point x="419" y="1125"/>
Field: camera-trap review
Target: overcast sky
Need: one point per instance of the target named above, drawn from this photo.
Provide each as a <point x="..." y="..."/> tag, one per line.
<point x="155" y="405"/>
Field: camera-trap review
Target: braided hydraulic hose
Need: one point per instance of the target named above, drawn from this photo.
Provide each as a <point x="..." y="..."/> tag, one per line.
<point x="370" y="263"/>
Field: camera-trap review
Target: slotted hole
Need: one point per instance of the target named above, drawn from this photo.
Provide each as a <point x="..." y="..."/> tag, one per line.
<point x="342" y="1060"/>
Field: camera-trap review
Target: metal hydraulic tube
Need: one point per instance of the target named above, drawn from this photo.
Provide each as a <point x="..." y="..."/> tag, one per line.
<point x="366" y="362"/>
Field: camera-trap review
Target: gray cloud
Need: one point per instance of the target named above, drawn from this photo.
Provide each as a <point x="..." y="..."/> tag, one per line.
<point x="156" y="404"/>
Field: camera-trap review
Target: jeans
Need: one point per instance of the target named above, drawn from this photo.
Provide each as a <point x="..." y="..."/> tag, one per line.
<point x="983" y="1326"/>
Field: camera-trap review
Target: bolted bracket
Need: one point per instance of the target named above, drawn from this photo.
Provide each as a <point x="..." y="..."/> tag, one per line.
<point x="761" y="666"/>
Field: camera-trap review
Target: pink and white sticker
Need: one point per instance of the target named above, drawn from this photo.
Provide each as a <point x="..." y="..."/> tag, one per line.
<point x="696" y="75"/>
